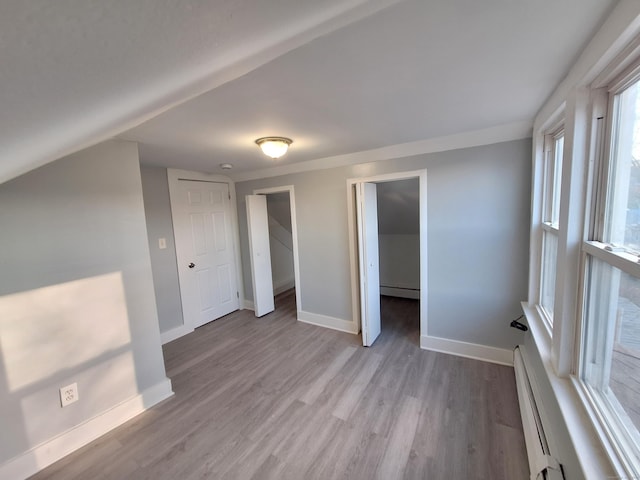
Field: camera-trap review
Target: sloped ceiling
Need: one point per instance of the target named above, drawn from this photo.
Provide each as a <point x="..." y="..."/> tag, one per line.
<point x="76" y="72"/>
<point x="398" y="207"/>
<point x="196" y="82"/>
<point x="279" y="207"/>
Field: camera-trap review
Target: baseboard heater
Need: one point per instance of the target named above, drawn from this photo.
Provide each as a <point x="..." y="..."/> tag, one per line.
<point x="542" y="463"/>
<point x="402" y="292"/>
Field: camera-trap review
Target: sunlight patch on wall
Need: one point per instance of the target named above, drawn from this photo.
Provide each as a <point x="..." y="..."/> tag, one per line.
<point x="58" y="328"/>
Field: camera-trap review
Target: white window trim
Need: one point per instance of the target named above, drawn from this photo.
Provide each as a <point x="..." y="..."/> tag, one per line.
<point x="550" y="184"/>
<point x="604" y="411"/>
<point x="610" y="51"/>
<point x="627" y="262"/>
<point x="608" y="428"/>
<point x="538" y="226"/>
<point x="560" y="348"/>
<point x="557" y="346"/>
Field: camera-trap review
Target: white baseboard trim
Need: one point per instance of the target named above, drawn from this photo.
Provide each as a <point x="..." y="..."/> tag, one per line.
<point x="500" y="356"/>
<point x="327" y="322"/>
<point x="174" y="333"/>
<point x="36" y="459"/>
<point x="284" y="286"/>
<point x="400" y="292"/>
<point x="248" y="305"/>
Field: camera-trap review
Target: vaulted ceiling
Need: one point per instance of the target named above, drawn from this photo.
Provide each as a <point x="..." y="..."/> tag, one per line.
<point x="196" y="82"/>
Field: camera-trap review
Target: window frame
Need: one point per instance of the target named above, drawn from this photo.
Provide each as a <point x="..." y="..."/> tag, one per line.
<point x="622" y="445"/>
<point x="578" y="98"/>
<point x="554" y="124"/>
<point x="586" y="139"/>
<point x="550" y="202"/>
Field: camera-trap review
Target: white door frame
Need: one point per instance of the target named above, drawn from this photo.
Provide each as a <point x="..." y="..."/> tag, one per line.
<point x="421" y="175"/>
<point x="173" y="177"/>
<point x="294" y="237"/>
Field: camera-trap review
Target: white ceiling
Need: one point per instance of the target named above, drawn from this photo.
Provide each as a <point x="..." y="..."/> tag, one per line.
<point x="416" y="70"/>
<point x="337" y="76"/>
<point x="76" y="72"/>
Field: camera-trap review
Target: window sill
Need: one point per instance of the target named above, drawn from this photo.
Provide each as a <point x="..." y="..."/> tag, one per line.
<point x="595" y="453"/>
<point x="543" y="327"/>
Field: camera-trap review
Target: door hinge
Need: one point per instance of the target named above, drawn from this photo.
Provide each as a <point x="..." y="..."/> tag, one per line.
<point x="238" y="294"/>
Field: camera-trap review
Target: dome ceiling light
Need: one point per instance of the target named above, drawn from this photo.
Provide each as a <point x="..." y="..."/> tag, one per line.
<point x="274" y="147"/>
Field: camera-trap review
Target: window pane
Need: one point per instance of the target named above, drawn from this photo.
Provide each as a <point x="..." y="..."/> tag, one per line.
<point x="552" y="178"/>
<point x="557" y="176"/>
<point x="622" y="226"/>
<point x="611" y="353"/>
<point x="548" y="285"/>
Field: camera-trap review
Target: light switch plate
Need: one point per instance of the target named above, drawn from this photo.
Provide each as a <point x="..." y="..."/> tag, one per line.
<point x="162" y="243"/>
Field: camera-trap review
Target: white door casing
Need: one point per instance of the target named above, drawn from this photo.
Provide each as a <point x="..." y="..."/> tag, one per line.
<point x="260" y="254"/>
<point x="205" y="250"/>
<point x="294" y="237"/>
<point x="367" y="217"/>
<point x="421" y="175"/>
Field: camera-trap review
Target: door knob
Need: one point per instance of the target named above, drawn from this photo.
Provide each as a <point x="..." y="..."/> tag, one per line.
<point x="191" y="265"/>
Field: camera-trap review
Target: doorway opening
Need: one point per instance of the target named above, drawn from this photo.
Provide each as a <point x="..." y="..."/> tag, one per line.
<point x="281" y="247"/>
<point x="399" y="257"/>
<point x="387" y="217"/>
<point x="273" y="240"/>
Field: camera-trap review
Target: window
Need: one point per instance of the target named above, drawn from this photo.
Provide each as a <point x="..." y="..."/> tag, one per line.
<point x="609" y="364"/>
<point x="622" y="221"/>
<point x="554" y="146"/>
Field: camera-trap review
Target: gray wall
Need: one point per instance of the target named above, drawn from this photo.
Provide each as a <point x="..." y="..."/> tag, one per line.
<point x="478" y="227"/>
<point x="76" y="294"/>
<point x="321" y="211"/>
<point x="399" y="258"/>
<point x="157" y="208"/>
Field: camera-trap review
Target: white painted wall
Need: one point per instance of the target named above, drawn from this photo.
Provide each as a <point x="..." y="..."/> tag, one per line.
<point x="478" y="226"/>
<point x="76" y="300"/>
<point x="157" y="208"/>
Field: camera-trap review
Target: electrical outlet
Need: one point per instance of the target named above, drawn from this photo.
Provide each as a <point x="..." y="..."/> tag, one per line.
<point x="69" y="394"/>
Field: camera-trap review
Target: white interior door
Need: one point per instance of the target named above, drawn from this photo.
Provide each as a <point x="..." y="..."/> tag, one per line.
<point x="367" y="216"/>
<point x="260" y="254"/>
<point x="205" y="251"/>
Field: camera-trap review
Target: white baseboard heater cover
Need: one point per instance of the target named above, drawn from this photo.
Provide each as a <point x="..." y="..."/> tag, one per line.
<point x="542" y="464"/>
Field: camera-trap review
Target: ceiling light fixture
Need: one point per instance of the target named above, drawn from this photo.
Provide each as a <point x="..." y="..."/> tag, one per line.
<point x="274" y="147"/>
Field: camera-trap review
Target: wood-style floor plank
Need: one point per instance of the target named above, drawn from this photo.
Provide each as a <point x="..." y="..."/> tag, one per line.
<point x="273" y="398"/>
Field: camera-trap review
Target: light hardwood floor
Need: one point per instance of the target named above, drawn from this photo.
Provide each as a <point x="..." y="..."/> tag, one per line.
<point x="276" y="398"/>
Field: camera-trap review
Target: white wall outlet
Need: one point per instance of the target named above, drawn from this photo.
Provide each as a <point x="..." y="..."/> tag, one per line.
<point x="69" y="394"/>
<point x="162" y="243"/>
